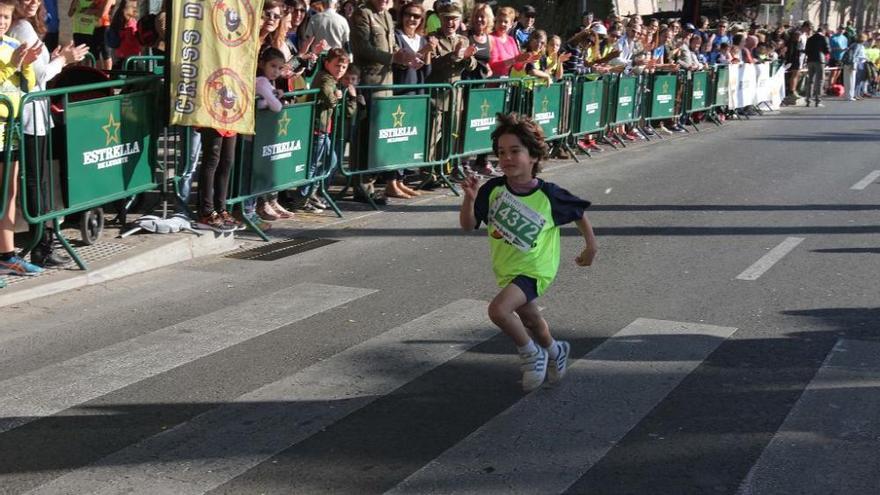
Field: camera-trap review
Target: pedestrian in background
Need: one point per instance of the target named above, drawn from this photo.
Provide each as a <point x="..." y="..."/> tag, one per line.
<point x="817" y="51"/>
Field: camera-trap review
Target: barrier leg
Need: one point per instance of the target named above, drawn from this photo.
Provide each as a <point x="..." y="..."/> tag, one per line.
<point x="446" y="181"/>
<point x="70" y="250"/>
<point x="369" y="197"/>
<point x="253" y="227"/>
<point x="35" y="240"/>
<point x="326" y="195"/>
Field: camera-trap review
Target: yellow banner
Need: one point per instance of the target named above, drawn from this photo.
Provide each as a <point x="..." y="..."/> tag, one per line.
<point x="214" y="47"/>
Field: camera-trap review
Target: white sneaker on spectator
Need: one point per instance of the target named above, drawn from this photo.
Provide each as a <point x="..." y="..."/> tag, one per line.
<point x="662" y="128"/>
<point x="534" y="369"/>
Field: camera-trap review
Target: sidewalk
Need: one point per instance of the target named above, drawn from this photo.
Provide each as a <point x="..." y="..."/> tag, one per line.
<point x="111" y="257"/>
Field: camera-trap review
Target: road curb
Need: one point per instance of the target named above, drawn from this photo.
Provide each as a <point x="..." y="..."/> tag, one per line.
<point x="185" y="248"/>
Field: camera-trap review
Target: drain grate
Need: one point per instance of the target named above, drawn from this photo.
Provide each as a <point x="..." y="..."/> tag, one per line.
<point x="282" y="249"/>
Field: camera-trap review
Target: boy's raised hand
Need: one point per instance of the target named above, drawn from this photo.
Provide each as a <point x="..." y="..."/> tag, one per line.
<point x="587" y="255"/>
<point x="469" y="186"/>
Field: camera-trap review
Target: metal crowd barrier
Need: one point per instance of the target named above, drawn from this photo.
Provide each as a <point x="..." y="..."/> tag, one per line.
<point x="478" y="101"/>
<point x="281" y="154"/>
<point x="108" y="155"/>
<point x="403" y="127"/>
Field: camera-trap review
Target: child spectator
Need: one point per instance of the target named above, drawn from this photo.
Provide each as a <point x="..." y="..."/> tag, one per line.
<point x="523" y="215"/>
<point x="122" y="34"/>
<point x="327" y="79"/>
<point x="553" y="60"/>
<point x="535" y="68"/>
<point x="270" y="68"/>
<point x="16" y="72"/>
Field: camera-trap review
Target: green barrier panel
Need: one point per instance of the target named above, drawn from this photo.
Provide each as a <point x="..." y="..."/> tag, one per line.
<point x="547" y="109"/>
<point x="109" y="148"/>
<point x="699" y="92"/>
<point x="281" y="150"/>
<point x="625" y="104"/>
<point x="399" y="131"/>
<point x="480" y="109"/>
<point x="663" y="97"/>
<point x="591" y="108"/>
<point x="721" y="77"/>
<point x="281" y="153"/>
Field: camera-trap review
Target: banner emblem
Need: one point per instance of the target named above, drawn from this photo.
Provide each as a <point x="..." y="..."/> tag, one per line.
<point x="233" y="21"/>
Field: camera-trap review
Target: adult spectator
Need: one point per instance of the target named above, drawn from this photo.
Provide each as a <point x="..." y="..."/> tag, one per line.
<point x="838" y="44"/>
<point x="505" y="49"/>
<point x="410" y="36"/>
<point x="794" y="49"/>
<point x="329" y="26"/>
<point x="480" y="26"/>
<point x="853" y="67"/>
<point x="627" y="44"/>
<point x="523" y="29"/>
<point x="375" y="49"/>
<point x="348" y="8"/>
<point x="720" y="36"/>
<point x="817" y="51"/>
<point x="451" y="55"/>
<point x="29" y="27"/>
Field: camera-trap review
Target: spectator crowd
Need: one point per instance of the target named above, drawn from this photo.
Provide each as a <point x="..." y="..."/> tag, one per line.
<point x="336" y="47"/>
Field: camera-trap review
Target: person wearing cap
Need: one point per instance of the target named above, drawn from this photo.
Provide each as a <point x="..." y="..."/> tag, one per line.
<point x="523" y="29"/>
<point x="452" y="54"/>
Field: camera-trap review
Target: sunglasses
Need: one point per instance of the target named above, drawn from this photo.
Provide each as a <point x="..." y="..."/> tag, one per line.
<point x="299" y="9"/>
<point x="414" y="15"/>
<point x="272" y="16"/>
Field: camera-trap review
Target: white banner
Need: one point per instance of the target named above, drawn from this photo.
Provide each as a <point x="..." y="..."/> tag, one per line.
<point x="748" y="82"/>
<point x="762" y="91"/>
<point x="734" y="97"/>
<point x="777" y="88"/>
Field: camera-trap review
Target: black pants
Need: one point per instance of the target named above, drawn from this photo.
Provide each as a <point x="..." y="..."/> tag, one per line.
<point x="218" y="154"/>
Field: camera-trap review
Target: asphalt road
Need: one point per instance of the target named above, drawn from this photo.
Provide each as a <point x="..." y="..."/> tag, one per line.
<point x="726" y="342"/>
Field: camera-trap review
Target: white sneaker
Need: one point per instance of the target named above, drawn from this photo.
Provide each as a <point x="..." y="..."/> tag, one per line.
<point x="534" y="368"/>
<point x="556" y="368"/>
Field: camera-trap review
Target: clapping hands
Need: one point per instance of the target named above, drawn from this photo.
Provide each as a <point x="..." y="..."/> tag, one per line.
<point x="26" y="54"/>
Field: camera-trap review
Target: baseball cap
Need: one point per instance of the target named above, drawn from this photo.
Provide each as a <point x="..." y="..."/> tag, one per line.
<point x="528" y="11"/>
<point x="599" y="29"/>
<point x="689" y="27"/>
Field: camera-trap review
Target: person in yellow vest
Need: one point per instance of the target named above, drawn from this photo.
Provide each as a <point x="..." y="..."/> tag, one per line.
<point x="16" y="76"/>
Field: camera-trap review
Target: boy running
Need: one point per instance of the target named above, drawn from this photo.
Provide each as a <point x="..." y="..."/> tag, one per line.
<point x="523" y="215"/>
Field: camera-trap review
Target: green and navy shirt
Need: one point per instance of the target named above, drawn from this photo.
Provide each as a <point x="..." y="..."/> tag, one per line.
<point x="523" y="228"/>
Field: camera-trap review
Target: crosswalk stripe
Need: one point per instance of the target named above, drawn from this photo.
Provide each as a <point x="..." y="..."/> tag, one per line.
<point x="57" y="387"/>
<point x="832" y="432"/>
<point x="223" y="443"/>
<point x="549" y="439"/>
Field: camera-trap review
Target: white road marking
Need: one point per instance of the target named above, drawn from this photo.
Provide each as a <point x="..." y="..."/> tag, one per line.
<point x="545" y="442"/>
<point x="832" y="432"/>
<point x="54" y="388"/>
<point x="215" y="447"/>
<point x="867" y="181"/>
<point x="771" y="258"/>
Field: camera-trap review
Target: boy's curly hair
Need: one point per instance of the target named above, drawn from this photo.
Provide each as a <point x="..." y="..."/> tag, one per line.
<point x="529" y="133"/>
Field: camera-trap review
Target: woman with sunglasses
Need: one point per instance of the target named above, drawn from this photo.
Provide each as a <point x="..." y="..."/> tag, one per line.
<point x="410" y="36"/>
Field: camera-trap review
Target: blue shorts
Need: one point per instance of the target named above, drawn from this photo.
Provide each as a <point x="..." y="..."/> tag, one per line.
<point x="528" y="285"/>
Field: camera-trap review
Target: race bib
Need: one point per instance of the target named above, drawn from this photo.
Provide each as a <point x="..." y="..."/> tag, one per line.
<point x="515" y="221"/>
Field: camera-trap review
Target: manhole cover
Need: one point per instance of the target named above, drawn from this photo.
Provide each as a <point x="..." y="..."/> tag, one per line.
<point x="281" y="249"/>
